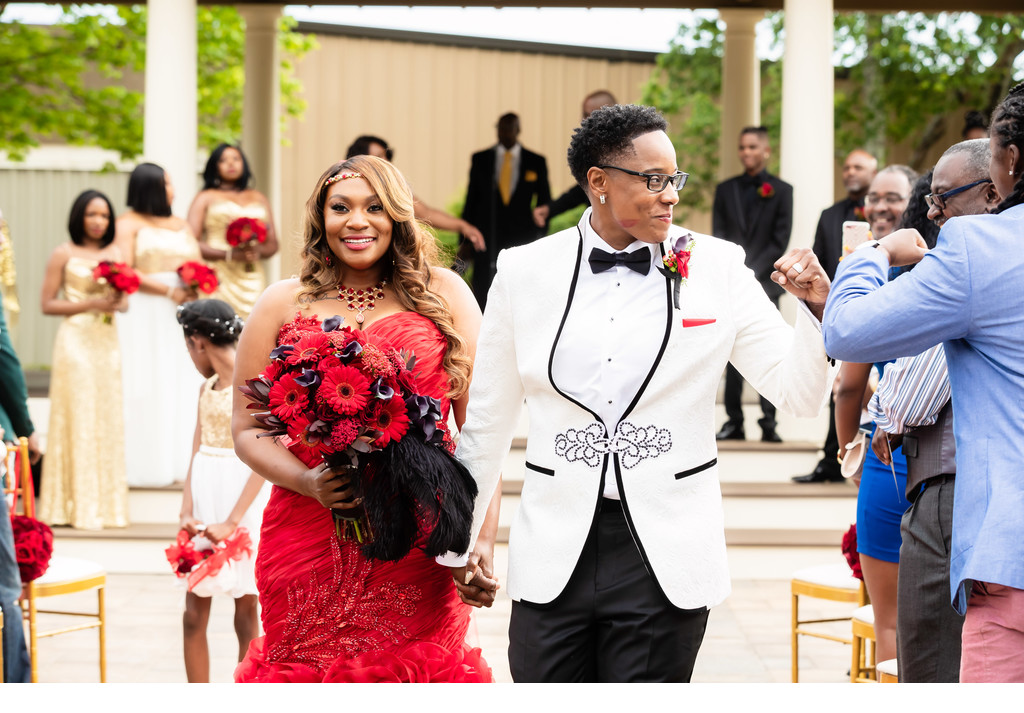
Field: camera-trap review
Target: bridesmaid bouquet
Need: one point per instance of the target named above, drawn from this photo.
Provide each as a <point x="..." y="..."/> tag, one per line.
<point x="244" y="232"/>
<point x="119" y="277"/>
<point x="351" y="400"/>
<point x="198" y="277"/>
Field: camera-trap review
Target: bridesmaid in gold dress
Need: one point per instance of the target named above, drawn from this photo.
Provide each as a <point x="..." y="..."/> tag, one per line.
<point x="83" y="482"/>
<point x="160" y="384"/>
<point x="225" y="197"/>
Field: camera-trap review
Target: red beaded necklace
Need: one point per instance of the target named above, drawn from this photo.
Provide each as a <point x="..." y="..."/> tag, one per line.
<point x="360" y="301"/>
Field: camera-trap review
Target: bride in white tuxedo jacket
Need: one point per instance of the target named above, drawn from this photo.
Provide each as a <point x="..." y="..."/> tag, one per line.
<point x="551" y="334"/>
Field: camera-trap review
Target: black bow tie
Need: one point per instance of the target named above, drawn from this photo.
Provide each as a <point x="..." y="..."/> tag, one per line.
<point x="638" y="260"/>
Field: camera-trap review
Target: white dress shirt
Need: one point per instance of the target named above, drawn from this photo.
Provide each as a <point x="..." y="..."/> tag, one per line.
<point x="499" y="158"/>
<point x="912" y="392"/>
<point x="611" y="336"/>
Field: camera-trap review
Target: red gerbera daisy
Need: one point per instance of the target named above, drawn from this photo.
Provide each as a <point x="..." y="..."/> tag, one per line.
<point x="391" y="419"/>
<point x="273" y="370"/>
<point x="345" y="389"/>
<point x="287" y="398"/>
<point x="307" y="446"/>
<point x="309" y="349"/>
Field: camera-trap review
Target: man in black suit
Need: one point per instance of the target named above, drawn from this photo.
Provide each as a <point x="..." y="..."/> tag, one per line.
<point x="755" y="211"/>
<point x="505" y="182"/>
<point x="574" y="196"/>
<point x="859" y="169"/>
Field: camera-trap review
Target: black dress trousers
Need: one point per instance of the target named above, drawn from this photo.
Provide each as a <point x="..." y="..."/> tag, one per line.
<point x="611" y="623"/>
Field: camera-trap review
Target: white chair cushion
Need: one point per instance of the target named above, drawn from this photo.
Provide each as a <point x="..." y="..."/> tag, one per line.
<point x="67" y="569"/>
<point x="865" y="614"/>
<point x="888" y="666"/>
<point x="836" y="575"/>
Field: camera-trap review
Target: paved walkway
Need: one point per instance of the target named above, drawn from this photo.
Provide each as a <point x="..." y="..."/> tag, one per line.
<point x="747" y="638"/>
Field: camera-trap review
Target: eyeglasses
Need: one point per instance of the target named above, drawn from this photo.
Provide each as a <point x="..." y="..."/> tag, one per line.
<point x="888" y="199"/>
<point x="938" y="200"/>
<point x="656" y="182"/>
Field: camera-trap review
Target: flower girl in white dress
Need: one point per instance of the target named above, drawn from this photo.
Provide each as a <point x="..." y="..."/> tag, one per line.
<point x="221" y="493"/>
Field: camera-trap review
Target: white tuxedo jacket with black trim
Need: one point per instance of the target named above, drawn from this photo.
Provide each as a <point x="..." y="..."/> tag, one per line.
<point x="663" y="451"/>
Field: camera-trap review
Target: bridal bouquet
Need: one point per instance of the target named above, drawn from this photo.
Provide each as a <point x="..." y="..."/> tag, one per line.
<point x="119" y="277"/>
<point x="206" y="567"/>
<point x="198" y="276"/>
<point x="245" y="232"/>
<point x="351" y="400"/>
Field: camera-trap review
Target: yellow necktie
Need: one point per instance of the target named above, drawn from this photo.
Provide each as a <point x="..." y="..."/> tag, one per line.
<point x="505" y="182"/>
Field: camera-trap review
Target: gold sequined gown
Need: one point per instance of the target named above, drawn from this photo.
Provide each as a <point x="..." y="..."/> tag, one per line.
<point x="83" y="482"/>
<point x="238" y="288"/>
<point x="160" y="383"/>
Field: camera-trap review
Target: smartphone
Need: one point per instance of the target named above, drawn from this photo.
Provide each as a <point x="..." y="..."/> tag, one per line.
<point x="855" y="232"/>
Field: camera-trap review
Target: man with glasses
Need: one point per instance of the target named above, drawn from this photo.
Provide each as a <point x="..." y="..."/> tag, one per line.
<point x="755" y="211"/>
<point x="913" y="399"/>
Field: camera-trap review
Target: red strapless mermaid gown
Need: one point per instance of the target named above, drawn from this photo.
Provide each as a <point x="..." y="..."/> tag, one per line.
<point x="331" y="614"/>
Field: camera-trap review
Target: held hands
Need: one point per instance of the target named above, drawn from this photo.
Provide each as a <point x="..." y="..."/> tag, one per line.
<point x="905" y="247"/>
<point x="328" y="488"/>
<point x="475" y="582"/>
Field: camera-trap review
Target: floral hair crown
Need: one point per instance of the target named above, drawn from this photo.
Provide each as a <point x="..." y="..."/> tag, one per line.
<point x="341" y="177"/>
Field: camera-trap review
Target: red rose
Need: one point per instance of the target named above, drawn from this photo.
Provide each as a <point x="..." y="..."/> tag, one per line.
<point x="33" y="546"/>
<point x="766" y="190"/>
<point x="246" y="230"/>
<point x="850" y="551"/>
<point x="198" y="276"/>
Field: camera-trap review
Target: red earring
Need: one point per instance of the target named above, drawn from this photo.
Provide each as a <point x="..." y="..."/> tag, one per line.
<point x="328" y="259"/>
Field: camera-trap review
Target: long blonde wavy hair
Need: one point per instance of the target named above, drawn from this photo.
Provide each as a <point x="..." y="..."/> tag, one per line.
<point x="406" y="265"/>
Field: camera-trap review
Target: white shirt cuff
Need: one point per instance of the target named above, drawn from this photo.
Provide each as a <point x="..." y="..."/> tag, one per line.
<point x="453" y="559"/>
<point x="802" y="306"/>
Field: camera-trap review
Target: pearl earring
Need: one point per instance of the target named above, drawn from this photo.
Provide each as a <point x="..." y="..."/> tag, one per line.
<point x="602" y="198"/>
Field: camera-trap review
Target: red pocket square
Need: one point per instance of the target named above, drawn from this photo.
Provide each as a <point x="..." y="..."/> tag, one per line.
<point x="697" y="322"/>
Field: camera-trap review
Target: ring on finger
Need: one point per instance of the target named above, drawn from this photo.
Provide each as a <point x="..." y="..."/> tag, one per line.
<point x="799" y="268"/>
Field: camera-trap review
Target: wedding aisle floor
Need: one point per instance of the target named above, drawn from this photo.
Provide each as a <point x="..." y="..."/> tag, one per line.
<point x="747" y="638"/>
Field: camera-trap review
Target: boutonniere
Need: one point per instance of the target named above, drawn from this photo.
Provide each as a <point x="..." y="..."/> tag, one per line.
<point x="858" y="212"/>
<point x="530" y="177"/>
<point x="766" y="190"/>
<point x="676" y="265"/>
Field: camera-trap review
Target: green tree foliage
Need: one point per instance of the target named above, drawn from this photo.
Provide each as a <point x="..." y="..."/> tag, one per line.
<point x="67" y="82"/>
<point x="900" y="77"/>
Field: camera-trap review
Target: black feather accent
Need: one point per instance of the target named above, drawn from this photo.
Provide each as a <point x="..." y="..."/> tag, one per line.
<point x="411" y="478"/>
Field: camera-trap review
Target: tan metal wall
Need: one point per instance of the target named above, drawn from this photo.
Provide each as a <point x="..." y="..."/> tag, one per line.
<point x="436" y="105"/>
<point x="35" y="204"/>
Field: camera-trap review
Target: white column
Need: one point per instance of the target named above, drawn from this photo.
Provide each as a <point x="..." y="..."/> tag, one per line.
<point x="170" y="106"/>
<point x="741" y="85"/>
<point x="261" y="114"/>
<point x="808" y="137"/>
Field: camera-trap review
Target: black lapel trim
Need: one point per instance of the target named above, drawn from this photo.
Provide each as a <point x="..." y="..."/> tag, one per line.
<point x="664" y="343"/>
<point x="540" y="469"/>
<point x="561" y="326"/>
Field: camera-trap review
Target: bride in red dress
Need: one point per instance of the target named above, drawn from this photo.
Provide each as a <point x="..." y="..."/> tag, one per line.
<point x="329" y="613"/>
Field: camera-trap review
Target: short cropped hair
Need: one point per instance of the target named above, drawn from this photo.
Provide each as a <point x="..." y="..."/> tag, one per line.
<point x="978" y="153"/>
<point x="607" y="135"/>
